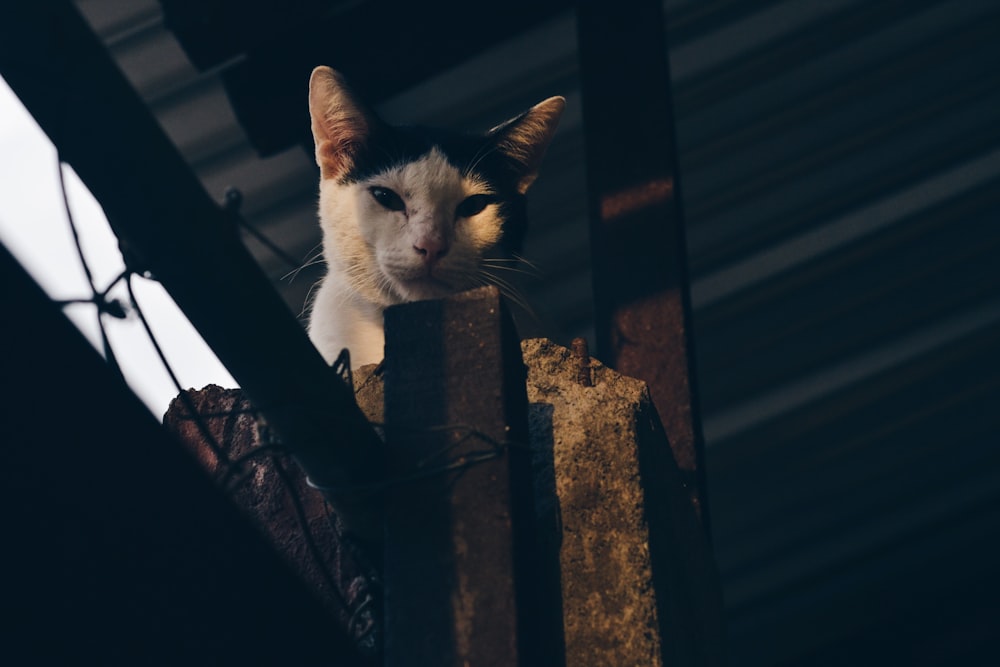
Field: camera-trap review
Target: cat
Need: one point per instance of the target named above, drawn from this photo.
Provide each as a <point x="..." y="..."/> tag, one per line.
<point x="410" y="213"/>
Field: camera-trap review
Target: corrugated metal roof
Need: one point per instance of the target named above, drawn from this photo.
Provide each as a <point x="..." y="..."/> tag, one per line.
<point x="840" y="164"/>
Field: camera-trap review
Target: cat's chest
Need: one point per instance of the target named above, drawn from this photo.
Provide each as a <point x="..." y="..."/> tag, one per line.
<point x="340" y="320"/>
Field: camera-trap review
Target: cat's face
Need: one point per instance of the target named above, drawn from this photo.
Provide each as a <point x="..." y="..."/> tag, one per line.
<point x="416" y="230"/>
<point x="410" y="213"/>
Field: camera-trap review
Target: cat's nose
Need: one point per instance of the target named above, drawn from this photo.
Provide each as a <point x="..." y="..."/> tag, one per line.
<point x="431" y="249"/>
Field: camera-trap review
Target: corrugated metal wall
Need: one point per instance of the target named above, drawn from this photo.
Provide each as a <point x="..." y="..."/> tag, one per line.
<point x="840" y="163"/>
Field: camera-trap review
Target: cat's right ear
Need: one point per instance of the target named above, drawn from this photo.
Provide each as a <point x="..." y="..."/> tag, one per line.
<point x="524" y="138"/>
<point x="340" y="122"/>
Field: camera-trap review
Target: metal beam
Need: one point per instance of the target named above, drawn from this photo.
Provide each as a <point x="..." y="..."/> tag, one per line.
<point x="382" y="48"/>
<point x="168" y="225"/>
<point x="639" y="254"/>
<point x="120" y="550"/>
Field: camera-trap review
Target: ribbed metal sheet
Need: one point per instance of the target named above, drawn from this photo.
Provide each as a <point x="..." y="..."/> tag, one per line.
<point x="840" y="165"/>
<point x="840" y="171"/>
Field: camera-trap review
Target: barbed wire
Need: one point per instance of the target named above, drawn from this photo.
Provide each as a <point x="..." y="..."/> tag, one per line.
<point x="99" y="296"/>
<point x="232" y="201"/>
<point x="424" y="468"/>
<point x="232" y="471"/>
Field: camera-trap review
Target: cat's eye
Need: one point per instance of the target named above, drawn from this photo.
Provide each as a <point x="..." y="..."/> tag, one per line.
<point x="387" y="198"/>
<point x="473" y="205"/>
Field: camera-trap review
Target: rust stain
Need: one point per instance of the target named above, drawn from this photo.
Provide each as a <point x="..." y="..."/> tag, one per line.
<point x="624" y="202"/>
<point x="582" y="354"/>
<point x="648" y="343"/>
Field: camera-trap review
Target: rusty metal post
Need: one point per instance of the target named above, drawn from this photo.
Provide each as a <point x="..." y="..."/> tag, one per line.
<point x="636" y="230"/>
<point x="460" y="560"/>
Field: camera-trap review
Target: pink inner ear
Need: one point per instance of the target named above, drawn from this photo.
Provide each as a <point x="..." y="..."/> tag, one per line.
<point x="332" y="158"/>
<point x="339" y="122"/>
<point x="526" y="138"/>
<point x="338" y="140"/>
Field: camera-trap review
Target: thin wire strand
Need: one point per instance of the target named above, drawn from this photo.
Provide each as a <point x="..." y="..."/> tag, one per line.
<point x="268" y="243"/>
<point x="221" y="415"/>
<point x="237" y="464"/>
<point x="303" y="519"/>
<point x="202" y="427"/>
<point x="230" y="466"/>
<point x="109" y="354"/>
<point x="423" y="468"/>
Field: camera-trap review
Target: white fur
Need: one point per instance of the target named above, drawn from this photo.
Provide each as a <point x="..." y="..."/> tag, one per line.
<point x="372" y="257"/>
<point x="377" y="257"/>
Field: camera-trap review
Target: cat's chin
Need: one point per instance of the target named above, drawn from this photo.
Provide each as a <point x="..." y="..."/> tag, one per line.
<point x="422" y="289"/>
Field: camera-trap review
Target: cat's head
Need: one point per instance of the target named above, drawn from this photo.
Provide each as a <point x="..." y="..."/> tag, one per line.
<point x="412" y="213"/>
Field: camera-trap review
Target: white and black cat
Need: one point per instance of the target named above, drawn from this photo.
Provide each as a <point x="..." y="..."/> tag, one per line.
<point x="410" y="213"/>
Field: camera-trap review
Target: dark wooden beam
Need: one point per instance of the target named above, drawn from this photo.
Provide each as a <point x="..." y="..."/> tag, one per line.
<point x="642" y="315"/>
<point x="168" y="225"/>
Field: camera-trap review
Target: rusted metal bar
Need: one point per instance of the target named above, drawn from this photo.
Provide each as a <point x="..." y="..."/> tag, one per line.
<point x="168" y="225"/>
<point x="637" y="233"/>
<point x="121" y="550"/>
<point x="582" y="354"/>
<point x="462" y="577"/>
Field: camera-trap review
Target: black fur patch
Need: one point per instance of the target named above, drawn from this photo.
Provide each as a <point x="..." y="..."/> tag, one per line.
<point x="391" y="147"/>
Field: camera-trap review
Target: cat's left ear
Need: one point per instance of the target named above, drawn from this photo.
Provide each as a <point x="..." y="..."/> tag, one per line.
<point x="524" y="138"/>
<point x="341" y="123"/>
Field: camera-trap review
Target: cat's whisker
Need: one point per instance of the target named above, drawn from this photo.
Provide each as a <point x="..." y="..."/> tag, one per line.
<point x="498" y="281"/>
<point x="507" y="289"/>
<point x="484" y="151"/>
<point x="308" y="302"/>
<point x="294" y="273"/>
<point x="506" y="266"/>
<point x="527" y="262"/>
<point x="519" y="301"/>
<point x="313" y="257"/>
<point x="377" y="281"/>
<point x="475" y="159"/>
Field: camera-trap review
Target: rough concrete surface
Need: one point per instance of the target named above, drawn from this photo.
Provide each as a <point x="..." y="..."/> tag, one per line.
<point x="273" y="492"/>
<point x="637" y="578"/>
<point x="588" y="436"/>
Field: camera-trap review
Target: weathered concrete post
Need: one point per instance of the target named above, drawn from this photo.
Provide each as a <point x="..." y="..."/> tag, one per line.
<point x="627" y="576"/>
<point x="460" y="565"/>
<point x="638" y="580"/>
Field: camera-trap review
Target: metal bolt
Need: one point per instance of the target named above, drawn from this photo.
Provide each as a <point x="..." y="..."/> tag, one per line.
<point x="582" y="354"/>
<point x="232" y="199"/>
